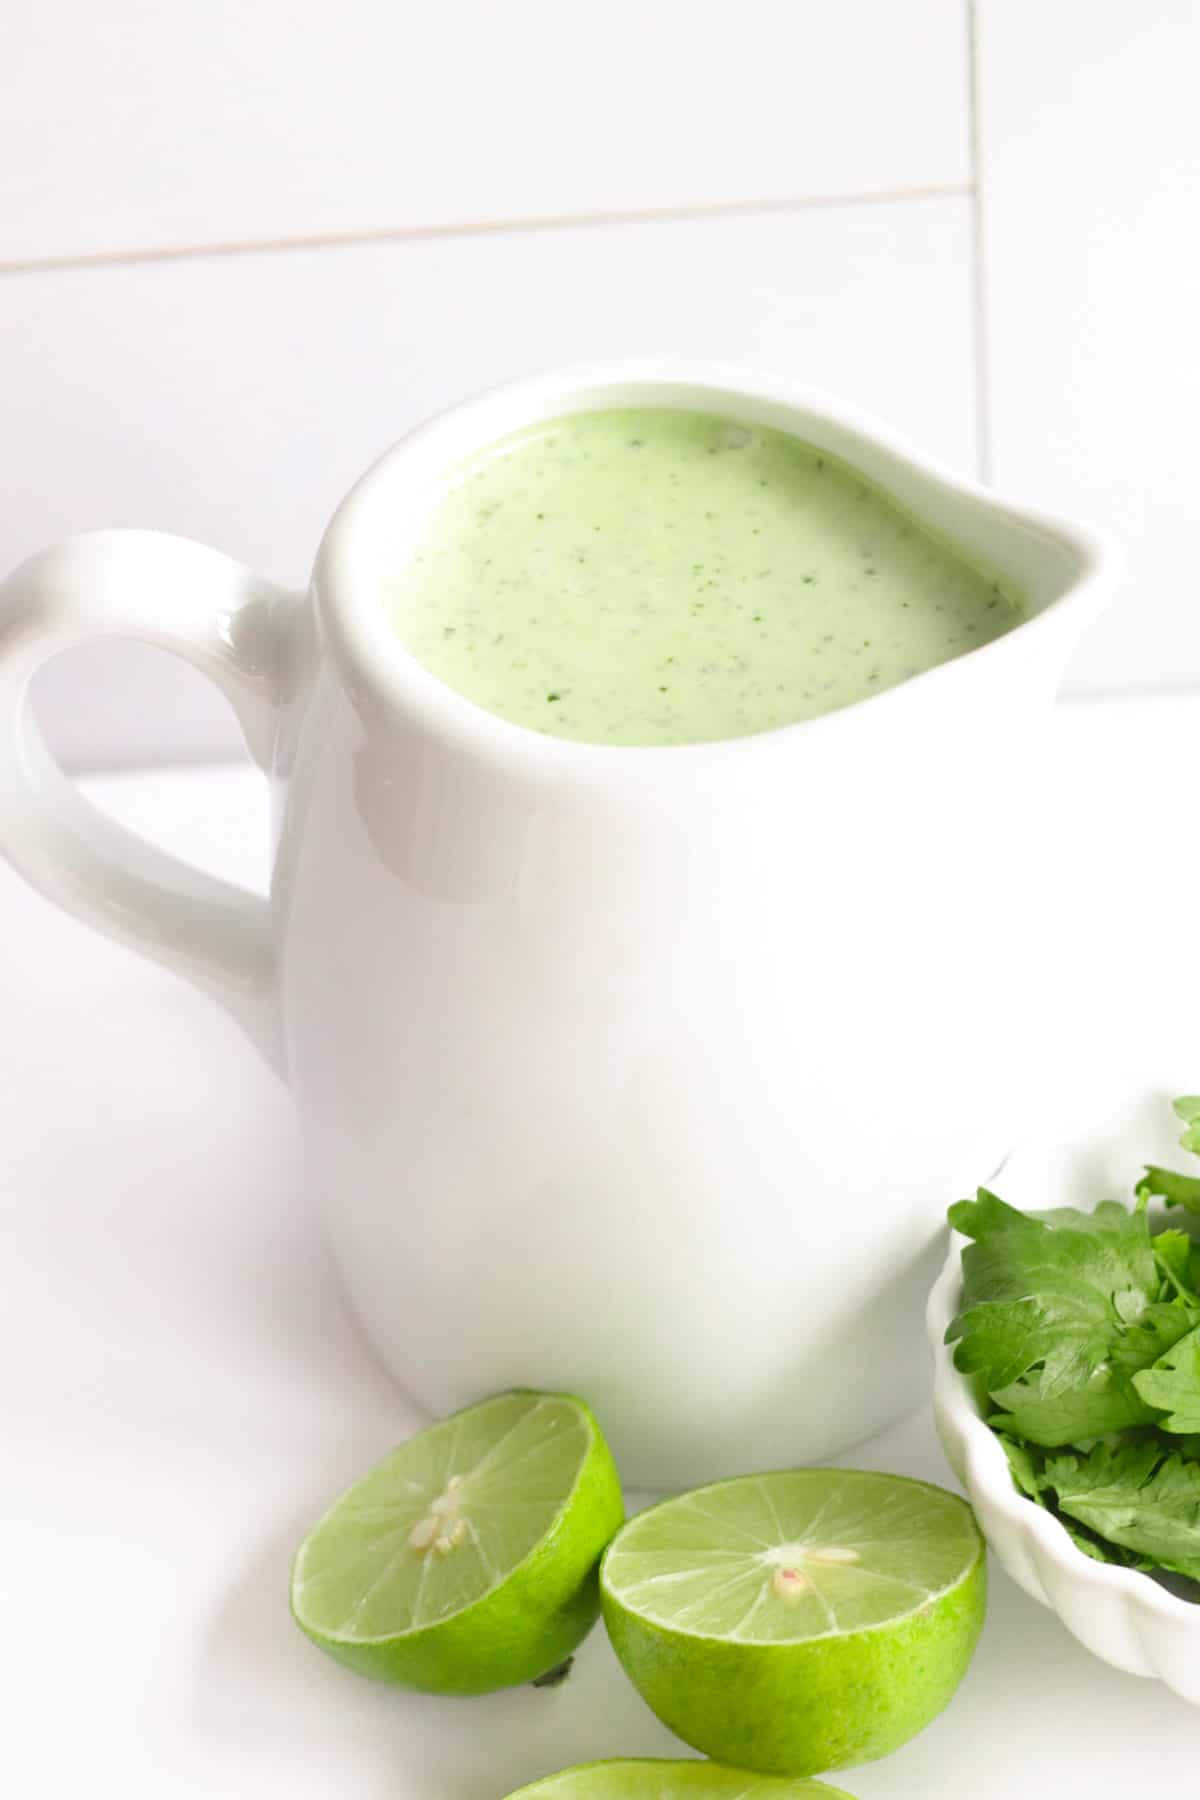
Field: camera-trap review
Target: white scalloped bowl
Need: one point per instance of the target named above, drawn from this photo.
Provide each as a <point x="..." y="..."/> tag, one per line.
<point x="1124" y="1617"/>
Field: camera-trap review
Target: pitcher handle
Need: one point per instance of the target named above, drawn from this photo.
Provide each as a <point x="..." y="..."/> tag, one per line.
<point x="227" y="622"/>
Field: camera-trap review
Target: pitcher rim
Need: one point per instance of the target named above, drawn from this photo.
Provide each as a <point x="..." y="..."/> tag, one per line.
<point x="379" y="669"/>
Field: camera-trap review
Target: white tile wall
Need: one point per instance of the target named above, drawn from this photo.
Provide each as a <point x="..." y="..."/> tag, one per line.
<point x="233" y="391"/>
<point x="235" y="398"/>
<point x="1090" y="162"/>
<point x="133" y="125"/>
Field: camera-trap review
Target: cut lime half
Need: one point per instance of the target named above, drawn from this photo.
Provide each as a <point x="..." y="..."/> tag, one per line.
<point x="467" y="1559"/>
<point x="648" y="1779"/>
<point x="800" y="1621"/>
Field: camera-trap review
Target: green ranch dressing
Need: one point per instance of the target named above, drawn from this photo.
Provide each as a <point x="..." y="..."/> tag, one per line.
<point x="664" y="577"/>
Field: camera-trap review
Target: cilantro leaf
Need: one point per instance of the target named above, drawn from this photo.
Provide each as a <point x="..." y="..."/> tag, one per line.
<point x="1028" y="1467"/>
<point x="1108" y="1215"/>
<point x="1025" y="1465"/>
<point x="1135" y="1496"/>
<point x="1057" y="1316"/>
<point x="1090" y="1544"/>
<point x="1174" y="1253"/>
<point x="1168" y="1185"/>
<point x="1104" y="1404"/>
<point x="1098" y="1548"/>
<point x="1187" y="1107"/>
<point x="1173" y="1385"/>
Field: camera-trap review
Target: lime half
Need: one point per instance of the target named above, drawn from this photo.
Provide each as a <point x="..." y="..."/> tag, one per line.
<point x="467" y="1559"/>
<point x="800" y="1621"/>
<point x="647" y="1779"/>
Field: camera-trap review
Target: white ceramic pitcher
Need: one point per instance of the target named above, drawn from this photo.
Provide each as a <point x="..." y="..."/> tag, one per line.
<point x="646" y="1073"/>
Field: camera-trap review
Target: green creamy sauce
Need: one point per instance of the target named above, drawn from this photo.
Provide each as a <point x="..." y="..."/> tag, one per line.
<point x="664" y="577"/>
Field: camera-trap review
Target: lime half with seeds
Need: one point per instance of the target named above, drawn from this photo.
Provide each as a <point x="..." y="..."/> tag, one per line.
<point x="800" y="1621"/>
<point x="648" y="1779"/>
<point x="466" y="1560"/>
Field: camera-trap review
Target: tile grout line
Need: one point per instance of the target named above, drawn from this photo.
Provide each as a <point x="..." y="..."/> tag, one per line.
<point x="349" y="240"/>
<point x="979" y="286"/>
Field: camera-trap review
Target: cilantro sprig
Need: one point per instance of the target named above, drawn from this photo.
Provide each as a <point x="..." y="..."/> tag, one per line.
<point x="1083" y="1331"/>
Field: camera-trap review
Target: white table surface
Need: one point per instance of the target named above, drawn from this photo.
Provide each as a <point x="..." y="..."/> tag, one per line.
<point x="182" y="1387"/>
